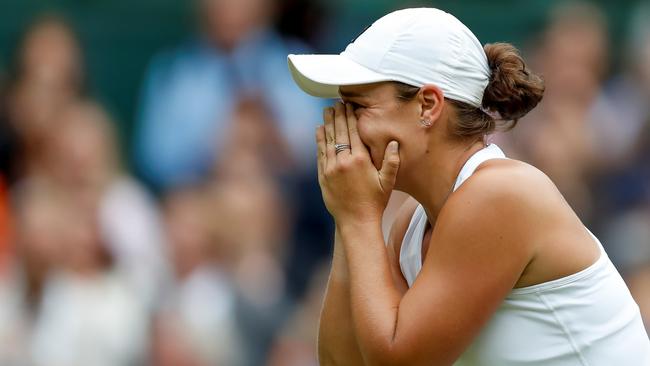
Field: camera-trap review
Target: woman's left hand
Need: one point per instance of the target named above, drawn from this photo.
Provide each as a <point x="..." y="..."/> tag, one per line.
<point x="353" y="189"/>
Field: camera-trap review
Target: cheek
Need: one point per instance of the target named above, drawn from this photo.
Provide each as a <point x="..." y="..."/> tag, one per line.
<point x="370" y="129"/>
<point x="364" y="130"/>
<point x="374" y="135"/>
<point x="377" y="128"/>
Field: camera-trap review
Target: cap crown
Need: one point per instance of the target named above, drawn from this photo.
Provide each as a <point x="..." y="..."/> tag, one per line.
<point x="421" y="46"/>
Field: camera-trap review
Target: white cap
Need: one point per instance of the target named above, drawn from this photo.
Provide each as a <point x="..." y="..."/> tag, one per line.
<point x="414" y="46"/>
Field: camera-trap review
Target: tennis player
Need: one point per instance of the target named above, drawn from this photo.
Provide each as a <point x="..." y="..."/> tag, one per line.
<point x="487" y="264"/>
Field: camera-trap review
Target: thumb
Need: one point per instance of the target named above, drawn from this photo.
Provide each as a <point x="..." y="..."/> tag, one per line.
<point x="389" y="167"/>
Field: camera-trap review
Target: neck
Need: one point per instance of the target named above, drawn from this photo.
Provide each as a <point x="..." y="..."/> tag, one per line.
<point x="437" y="174"/>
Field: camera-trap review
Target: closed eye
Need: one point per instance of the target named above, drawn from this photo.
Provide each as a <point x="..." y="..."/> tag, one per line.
<point x="355" y="106"/>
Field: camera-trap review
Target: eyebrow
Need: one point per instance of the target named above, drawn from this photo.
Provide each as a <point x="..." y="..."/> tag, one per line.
<point x="350" y="94"/>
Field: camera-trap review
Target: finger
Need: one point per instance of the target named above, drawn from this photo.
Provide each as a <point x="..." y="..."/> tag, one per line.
<point x="353" y="132"/>
<point x="322" y="155"/>
<point x="328" y="117"/>
<point x="341" y="126"/>
<point x="389" y="167"/>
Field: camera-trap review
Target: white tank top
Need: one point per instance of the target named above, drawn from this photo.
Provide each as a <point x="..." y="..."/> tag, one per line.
<point x="588" y="318"/>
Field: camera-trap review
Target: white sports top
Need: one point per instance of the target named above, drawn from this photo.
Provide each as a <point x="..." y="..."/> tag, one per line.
<point x="588" y="318"/>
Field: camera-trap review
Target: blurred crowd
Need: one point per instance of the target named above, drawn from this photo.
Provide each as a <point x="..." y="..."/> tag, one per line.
<point x="218" y="252"/>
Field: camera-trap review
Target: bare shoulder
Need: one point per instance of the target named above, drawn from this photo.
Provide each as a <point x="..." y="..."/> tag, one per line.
<point x="520" y="205"/>
<point x="512" y="202"/>
<point x="513" y="184"/>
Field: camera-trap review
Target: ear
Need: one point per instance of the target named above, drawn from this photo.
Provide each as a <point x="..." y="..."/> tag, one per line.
<point x="432" y="100"/>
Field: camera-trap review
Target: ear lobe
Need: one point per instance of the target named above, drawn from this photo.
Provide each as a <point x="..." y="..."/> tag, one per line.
<point x="432" y="100"/>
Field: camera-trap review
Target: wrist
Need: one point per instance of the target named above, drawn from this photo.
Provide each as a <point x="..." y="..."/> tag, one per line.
<point x="343" y="224"/>
<point x="358" y="224"/>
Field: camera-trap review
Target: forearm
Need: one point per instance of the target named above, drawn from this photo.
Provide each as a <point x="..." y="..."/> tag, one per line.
<point x="337" y="343"/>
<point x="374" y="298"/>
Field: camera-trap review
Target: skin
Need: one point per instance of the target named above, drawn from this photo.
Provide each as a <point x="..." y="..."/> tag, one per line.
<point x="228" y="22"/>
<point x="488" y="237"/>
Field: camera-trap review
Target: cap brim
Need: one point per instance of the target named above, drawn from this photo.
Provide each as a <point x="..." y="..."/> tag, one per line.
<point x="321" y="75"/>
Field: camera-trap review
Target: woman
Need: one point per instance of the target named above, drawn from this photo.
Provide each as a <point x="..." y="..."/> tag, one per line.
<point x="487" y="265"/>
<point x="48" y="74"/>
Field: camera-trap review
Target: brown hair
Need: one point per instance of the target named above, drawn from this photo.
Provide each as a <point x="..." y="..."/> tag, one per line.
<point x="511" y="93"/>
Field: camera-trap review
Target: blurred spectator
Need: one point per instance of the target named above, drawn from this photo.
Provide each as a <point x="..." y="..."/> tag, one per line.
<point x="622" y="109"/>
<point x="62" y="301"/>
<point x="190" y="93"/>
<point x="252" y="220"/>
<point x="89" y="315"/>
<point x="249" y="219"/>
<point x="50" y="53"/>
<point x="37" y="210"/>
<point x="49" y="73"/>
<point x="622" y="125"/>
<point x="557" y="136"/>
<point x="64" y="279"/>
<point x="296" y="343"/>
<point x="235" y="72"/>
<point x="82" y="157"/>
<point x="623" y="185"/>
<point x="255" y="134"/>
<point x="197" y="323"/>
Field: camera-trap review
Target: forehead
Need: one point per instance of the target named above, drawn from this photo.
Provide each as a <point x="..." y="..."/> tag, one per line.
<point x="374" y="90"/>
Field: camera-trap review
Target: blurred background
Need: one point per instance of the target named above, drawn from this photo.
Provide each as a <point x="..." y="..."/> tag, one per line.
<point x="158" y="195"/>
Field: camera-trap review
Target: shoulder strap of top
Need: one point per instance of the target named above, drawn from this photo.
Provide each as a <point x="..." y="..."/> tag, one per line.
<point x="492" y="151"/>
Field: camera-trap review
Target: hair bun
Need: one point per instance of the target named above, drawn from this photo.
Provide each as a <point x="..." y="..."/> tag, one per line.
<point x="513" y="90"/>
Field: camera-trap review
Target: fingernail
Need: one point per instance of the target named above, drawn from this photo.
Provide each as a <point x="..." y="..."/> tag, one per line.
<point x="394" y="145"/>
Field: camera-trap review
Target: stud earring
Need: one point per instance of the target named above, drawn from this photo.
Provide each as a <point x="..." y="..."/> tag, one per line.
<point x="425" y="122"/>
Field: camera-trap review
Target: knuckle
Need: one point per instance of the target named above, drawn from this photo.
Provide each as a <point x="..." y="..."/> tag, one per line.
<point x="343" y="166"/>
